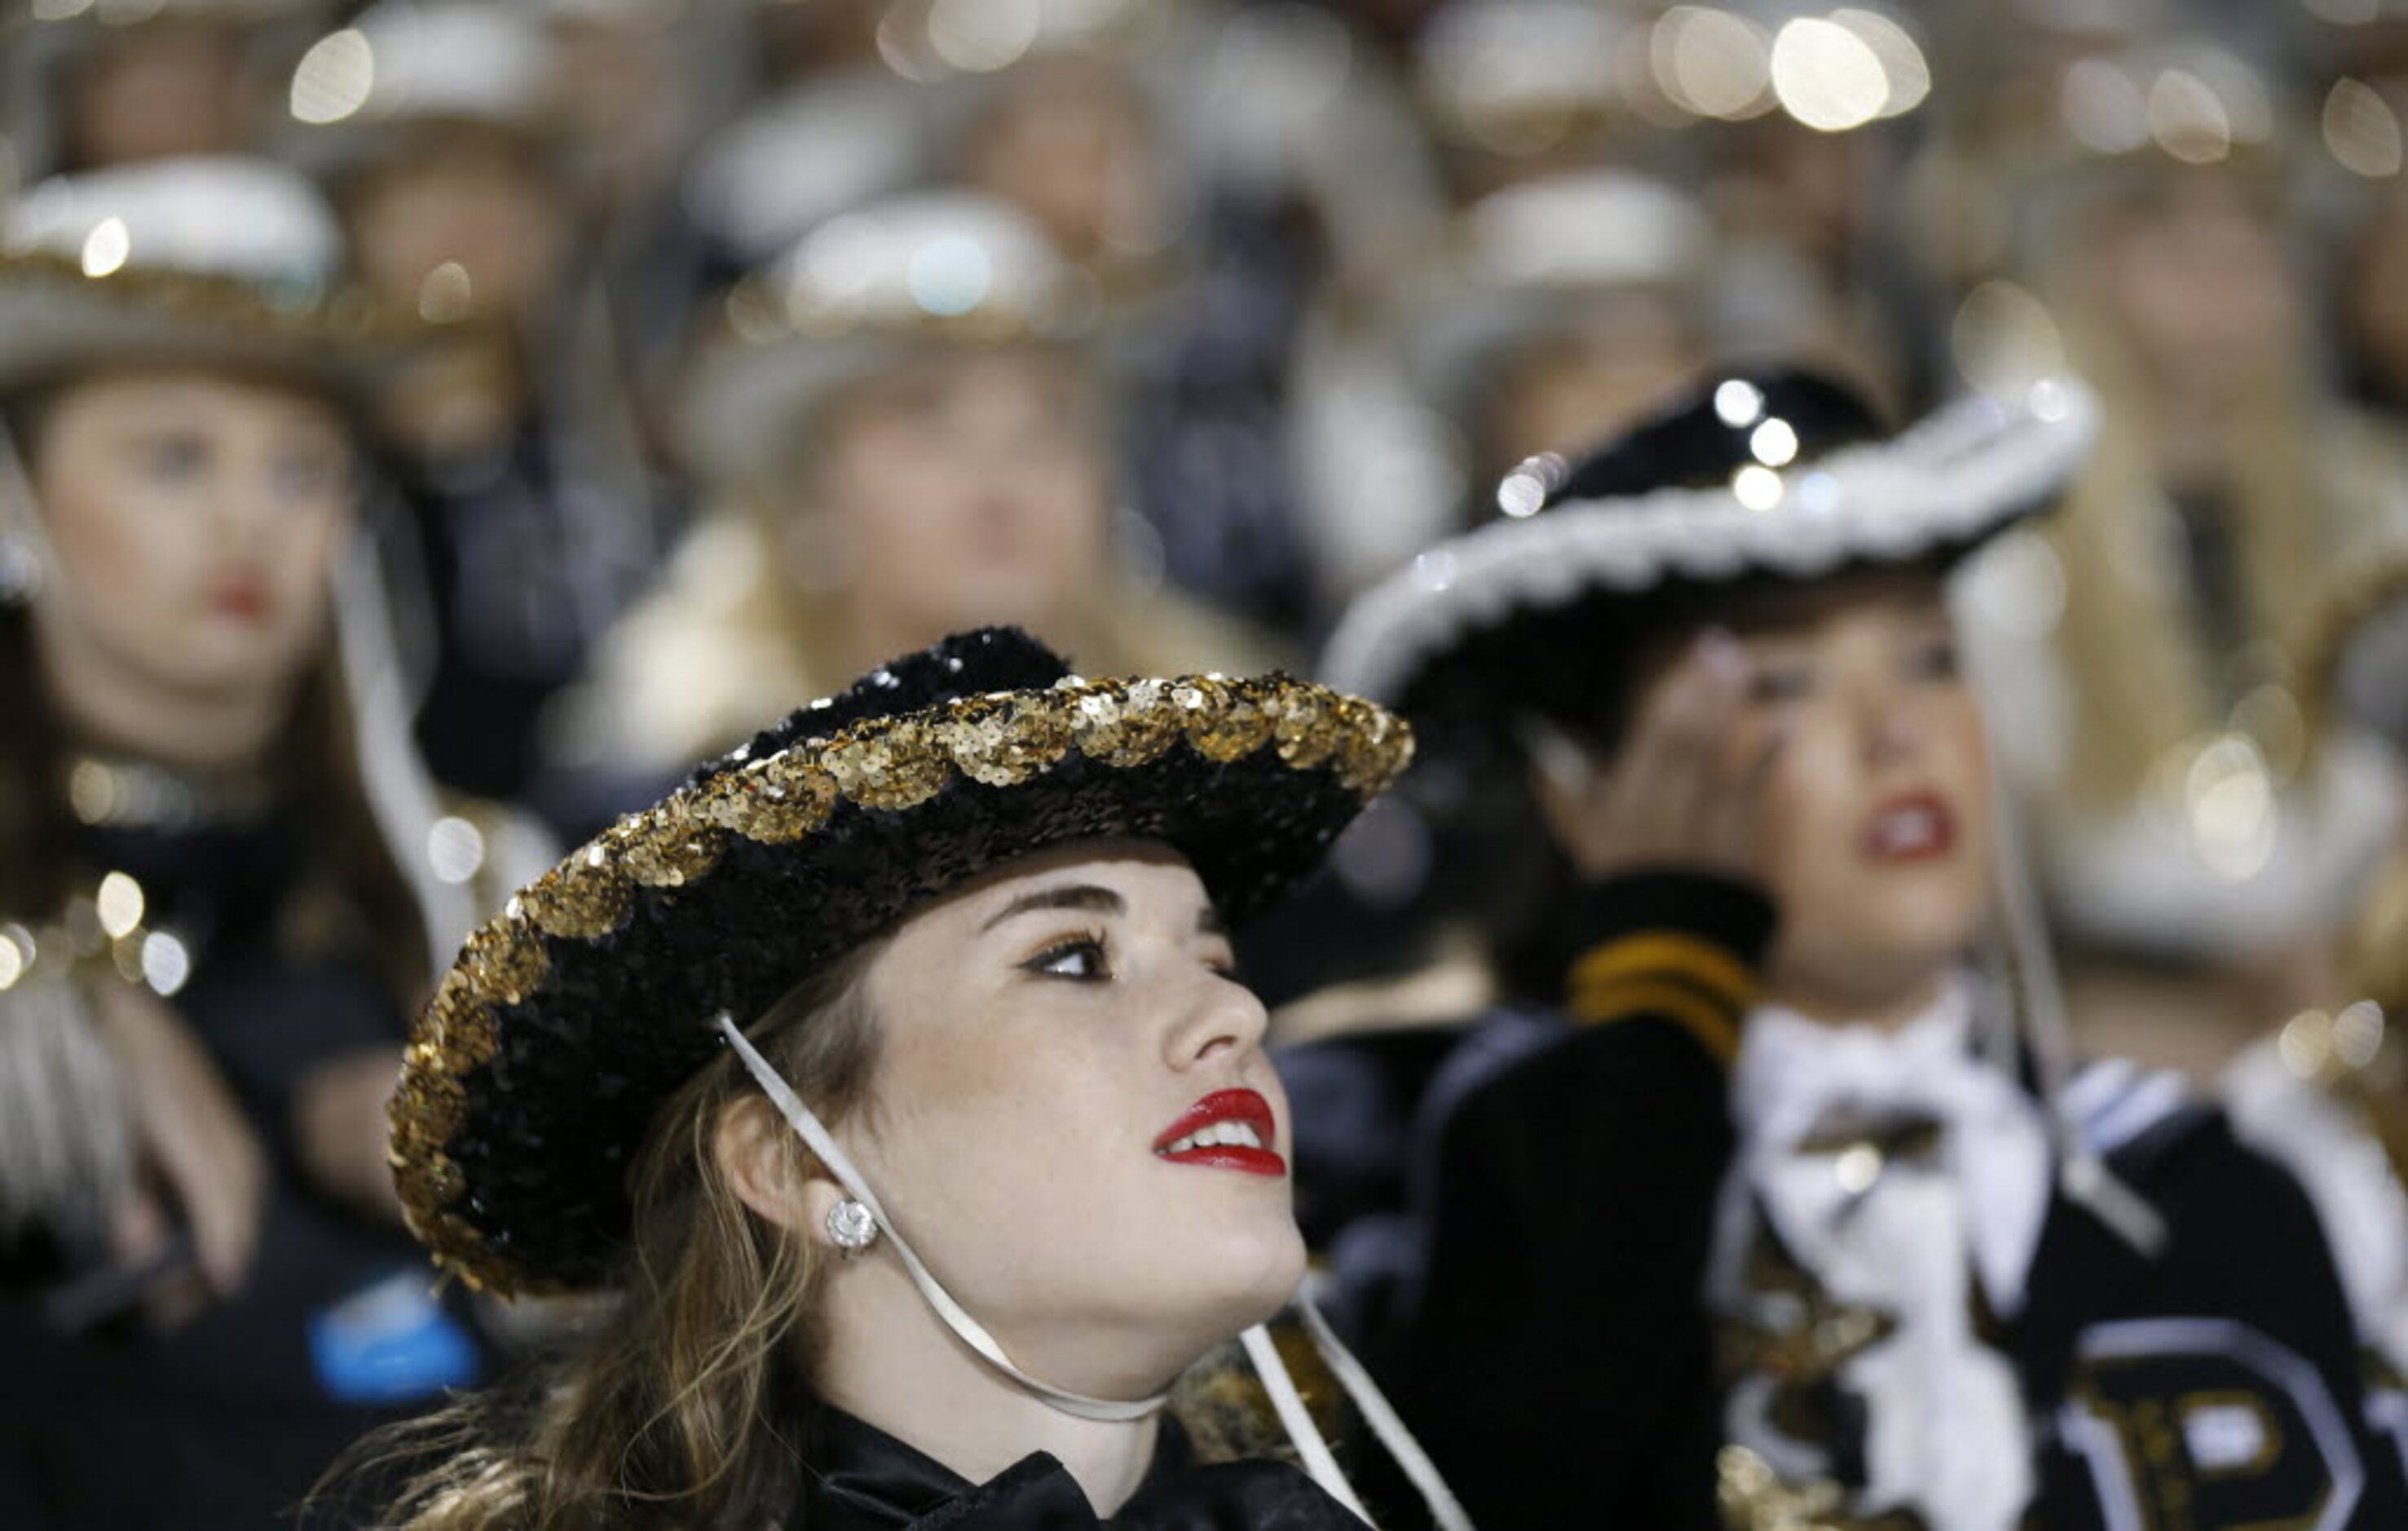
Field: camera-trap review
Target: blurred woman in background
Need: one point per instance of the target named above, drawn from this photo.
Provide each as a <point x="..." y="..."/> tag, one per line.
<point x="221" y="876"/>
<point x="2327" y="1095"/>
<point x="2203" y="834"/>
<point x="442" y="136"/>
<point x="908" y="435"/>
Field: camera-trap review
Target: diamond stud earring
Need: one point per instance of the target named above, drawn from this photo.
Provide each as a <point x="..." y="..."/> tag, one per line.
<point x="851" y="1225"/>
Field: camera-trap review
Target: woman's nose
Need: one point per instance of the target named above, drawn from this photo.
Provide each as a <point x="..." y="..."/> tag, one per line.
<point x="238" y="504"/>
<point x="1889" y="728"/>
<point x="1221" y="1017"/>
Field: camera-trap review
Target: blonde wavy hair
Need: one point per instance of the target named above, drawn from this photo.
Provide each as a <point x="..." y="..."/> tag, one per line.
<point x="2301" y="483"/>
<point x="682" y="1410"/>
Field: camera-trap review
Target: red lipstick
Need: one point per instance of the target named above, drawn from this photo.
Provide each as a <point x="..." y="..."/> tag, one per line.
<point x="240" y="597"/>
<point x="1228" y="1129"/>
<point x="1913" y="826"/>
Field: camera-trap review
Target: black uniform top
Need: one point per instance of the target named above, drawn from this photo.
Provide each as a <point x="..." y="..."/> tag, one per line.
<point x="227" y="1420"/>
<point x="1559" y="1358"/>
<point x="864" y="1480"/>
<point x="526" y="553"/>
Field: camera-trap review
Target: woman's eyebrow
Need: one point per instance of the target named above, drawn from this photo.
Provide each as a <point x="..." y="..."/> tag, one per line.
<point x="1076" y="896"/>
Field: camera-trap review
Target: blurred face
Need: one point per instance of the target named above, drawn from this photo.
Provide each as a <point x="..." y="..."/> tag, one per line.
<point x="1876" y="817"/>
<point x="1070" y="147"/>
<point x="194" y="516"/>
<point x="966" y="487"/>
<point x="470" y="198"/>
<point x="1073" y="1117"/>
<point x="159" y="89"/>
<point x="2199" y="284"/>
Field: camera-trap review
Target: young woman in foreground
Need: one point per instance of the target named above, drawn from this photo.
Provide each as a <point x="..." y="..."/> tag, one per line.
<point x="894" y="1074"/>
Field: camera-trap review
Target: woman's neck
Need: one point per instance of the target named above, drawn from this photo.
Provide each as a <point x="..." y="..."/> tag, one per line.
<point x="891" y="1362"/>
<point x="110" y="707"/>
<point x="1889" y="1005"/>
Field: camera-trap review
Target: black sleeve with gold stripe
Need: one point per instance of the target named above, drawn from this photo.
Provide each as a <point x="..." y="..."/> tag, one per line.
<point x="1556" y="1358"/>
<point x="1682" y="947"/>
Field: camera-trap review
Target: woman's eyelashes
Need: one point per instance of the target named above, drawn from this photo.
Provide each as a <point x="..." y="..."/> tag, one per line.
<point x="1933" y="659"/>
<point x="172" y="459"/>
<point x="1086" y="958"/>
<point x="305" y="477"/>
<point x="1780" y="680"/>
<point x="1777" y="678"/>
<point x="1079" y="959"/>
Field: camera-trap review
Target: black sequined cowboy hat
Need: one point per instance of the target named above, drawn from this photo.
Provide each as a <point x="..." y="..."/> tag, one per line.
<point x="1769" y="475"/>
<point x="534" y="1072"/>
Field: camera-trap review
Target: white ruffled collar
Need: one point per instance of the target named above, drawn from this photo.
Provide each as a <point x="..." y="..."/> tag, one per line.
<point x="1901" y="1236"/>
<point x="1796" y="1075"/>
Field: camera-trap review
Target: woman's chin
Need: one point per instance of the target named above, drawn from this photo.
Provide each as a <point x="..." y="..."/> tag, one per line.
<point x="1930" y="924"/>
<point x="1240" y="1282"/>
<point x="1158" y="1327"/>
<point x="219" y="663"/>
<point x="1264" y="1280"/>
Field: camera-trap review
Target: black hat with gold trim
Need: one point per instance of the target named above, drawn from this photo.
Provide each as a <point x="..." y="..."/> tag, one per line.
<point x="535" y="1071"/>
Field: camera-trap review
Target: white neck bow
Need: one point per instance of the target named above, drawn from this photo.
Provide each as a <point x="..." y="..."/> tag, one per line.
<point x="1903" y="1235"/>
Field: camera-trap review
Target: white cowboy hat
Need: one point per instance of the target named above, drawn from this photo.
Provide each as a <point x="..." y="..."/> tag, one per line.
<point x="217" y="258"/>
<point x="929" y="268"/>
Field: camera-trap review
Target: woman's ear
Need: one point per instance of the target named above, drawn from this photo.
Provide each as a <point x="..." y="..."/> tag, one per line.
<point x="753" y="1146"/>
<point x="770" y="1172"/>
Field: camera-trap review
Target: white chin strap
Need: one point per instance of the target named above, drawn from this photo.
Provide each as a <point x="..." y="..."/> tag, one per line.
<point x="2084" y="1175"/>
<point x="957" y="1319"/>
<point x="1293" y="1417"/>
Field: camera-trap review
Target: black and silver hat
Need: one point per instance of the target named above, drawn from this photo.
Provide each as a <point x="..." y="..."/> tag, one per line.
<point x="1776" y="474"/>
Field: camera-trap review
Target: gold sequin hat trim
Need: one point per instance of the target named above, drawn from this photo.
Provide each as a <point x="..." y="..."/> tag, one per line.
<point x="1249" y="777"/>
<point x="58" y="318"/>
